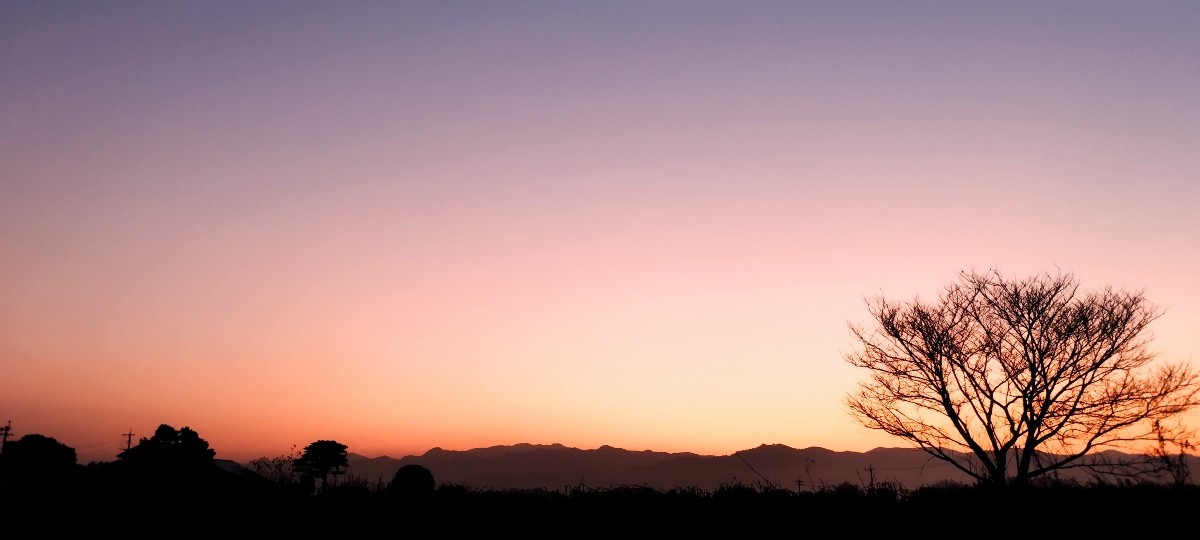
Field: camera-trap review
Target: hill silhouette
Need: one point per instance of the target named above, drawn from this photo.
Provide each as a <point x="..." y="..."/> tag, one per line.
<point x="555" y="466"/>
<point x="543" y="490"/>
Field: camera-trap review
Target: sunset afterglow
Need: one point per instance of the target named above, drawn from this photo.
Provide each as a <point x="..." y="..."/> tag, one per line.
<point x="406" y="225"/>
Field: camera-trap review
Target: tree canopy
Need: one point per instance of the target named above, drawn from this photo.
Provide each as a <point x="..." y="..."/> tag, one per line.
<point x="169" y="446"/>
<point x="321" y="459"/>
<point x="1010" y="379"/>
<point x="38" y="456"/>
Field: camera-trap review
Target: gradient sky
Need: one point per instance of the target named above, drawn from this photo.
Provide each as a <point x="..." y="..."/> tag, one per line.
<point x="407" y="225"/>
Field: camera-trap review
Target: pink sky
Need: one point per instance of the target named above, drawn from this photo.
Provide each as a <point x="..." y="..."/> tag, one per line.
<point x="439" y="224"/>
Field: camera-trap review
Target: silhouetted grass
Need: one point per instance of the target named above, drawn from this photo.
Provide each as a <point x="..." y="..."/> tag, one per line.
<point x="353" y="506"/>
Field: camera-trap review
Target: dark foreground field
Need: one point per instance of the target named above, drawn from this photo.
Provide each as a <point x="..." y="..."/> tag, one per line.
<point x="158" y="508"/>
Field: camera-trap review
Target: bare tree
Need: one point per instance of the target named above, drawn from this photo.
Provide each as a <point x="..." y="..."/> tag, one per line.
<point x="1011" y="379"/>
<point x="278" y="469"/>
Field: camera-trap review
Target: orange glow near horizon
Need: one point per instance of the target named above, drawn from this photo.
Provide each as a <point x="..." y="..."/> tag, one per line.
<point x="413" y="225"/>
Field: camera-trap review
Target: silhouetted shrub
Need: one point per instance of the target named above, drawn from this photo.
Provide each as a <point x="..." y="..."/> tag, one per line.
<point x="277" y="469"/>
<point x="412" y="481"/>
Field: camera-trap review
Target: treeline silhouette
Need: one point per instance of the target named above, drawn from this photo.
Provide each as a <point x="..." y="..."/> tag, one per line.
<point x="174" y="479"/>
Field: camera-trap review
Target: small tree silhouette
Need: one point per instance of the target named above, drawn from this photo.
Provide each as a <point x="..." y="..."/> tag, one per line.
<point x="319" y="460"/>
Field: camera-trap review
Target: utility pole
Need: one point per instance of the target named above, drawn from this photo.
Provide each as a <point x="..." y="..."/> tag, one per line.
<point x="128" y="439"/>
<point x="4" y="432"/>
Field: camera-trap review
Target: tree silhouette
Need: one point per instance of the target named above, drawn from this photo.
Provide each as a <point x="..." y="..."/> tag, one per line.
<point x="37" y="457"/>
<point x="319" y="460"/>
<point x="170" y="447"/>
<point x="1008" y="379"/>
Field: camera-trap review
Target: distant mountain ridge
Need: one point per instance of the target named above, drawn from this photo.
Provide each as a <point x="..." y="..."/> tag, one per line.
<point x="554" y="466"/>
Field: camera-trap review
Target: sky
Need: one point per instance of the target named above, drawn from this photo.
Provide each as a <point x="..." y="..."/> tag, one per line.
<point x="406" y="225"/>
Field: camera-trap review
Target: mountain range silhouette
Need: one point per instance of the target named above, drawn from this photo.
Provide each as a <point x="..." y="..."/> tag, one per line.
<point x="555" y="466"/>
